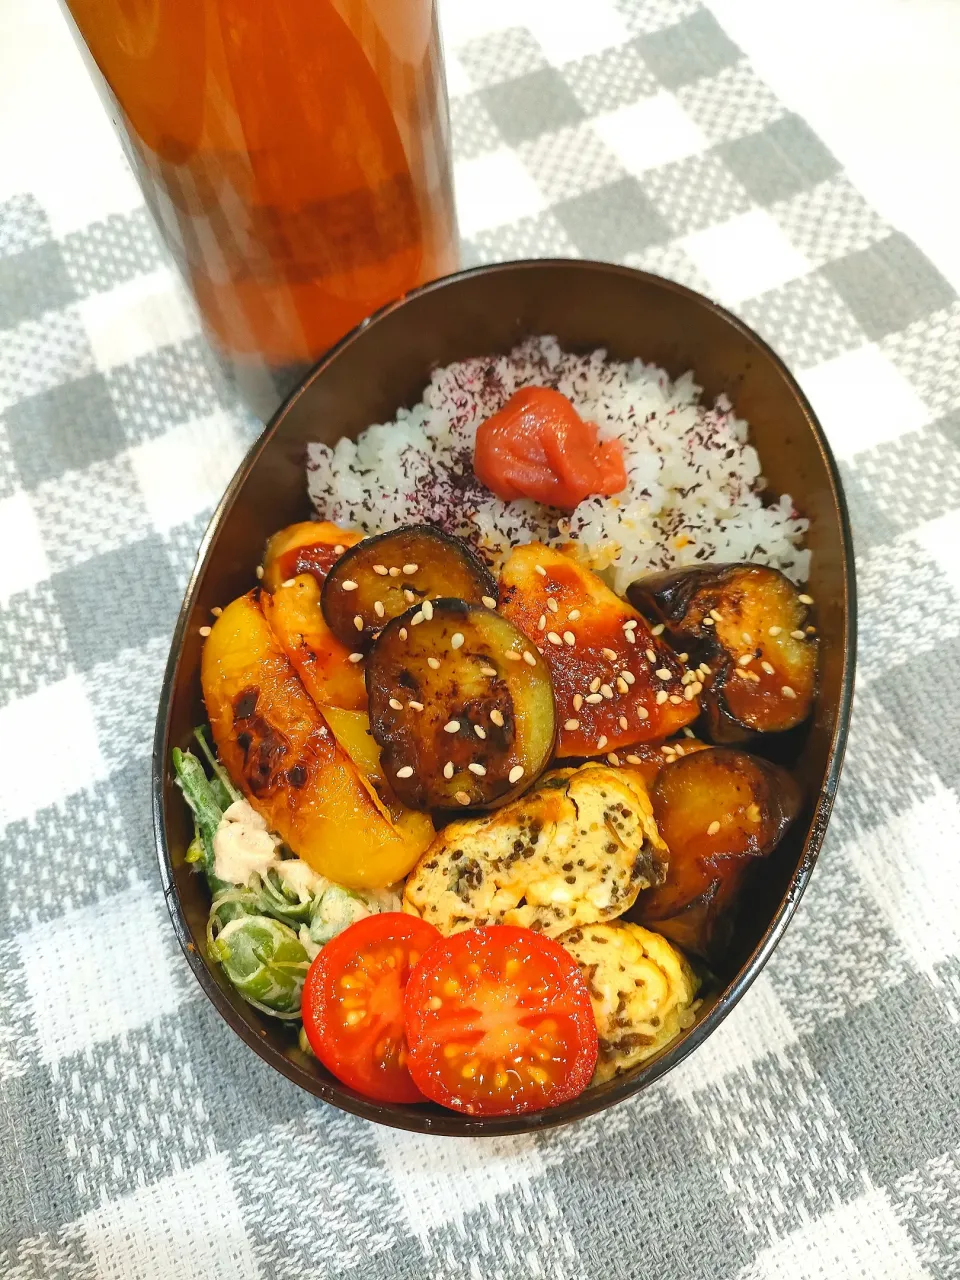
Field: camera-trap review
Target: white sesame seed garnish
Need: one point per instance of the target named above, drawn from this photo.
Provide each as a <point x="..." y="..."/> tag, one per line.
<point x="452" y="726"/>
<point x="649" y="655"/>
<point x="396" y="704"/>
<point x="448" y="770"/>
<point x="403" y="633"/>
<point x="688" y="693"/>
<point x="552" y="605"/>
<point x="684" y="657"/>
<point x="516" y="773"/>
<point x="716" y="615"/>
<point x="629" y="677"/>
<point x="609" y="654"/>
<point x="594" y="698"/>
<point x="688" y="733"/>
<point x="703" y="669"/>
<point x="675" y="699"/>
<point x="746" y="637"/>
<point x="378" y="608"/>
<point x="408" y="595"/>
<point x="601" y="742"/>
<point x="410" y="568"/>
<point x="573" y="615"/>
<point x="630" y="637"/>
<point x="595" y="684"/>
<point x="205" y="631"/>
<point x="798" y="635"/>
<point x="643" y="713"/>
<point x="623" y="722"/>
<point x="554" y="638"/>
<point x="707" y="622"/>
<point x="488" y="671"/>
<point x="480" y="731"/>
<point x="742" y="673"/>
<point x="512" y="657"/>
<point x="687" y="678"/>
<point x="339" y="549"/>
<point x="745" y="659"/>
<point x="613" y="758"/>
<point x="663" y="673"/>
<point x="767" y="668"/>
<point x="394" y="571"/>
<point x="788" y="692"/>
<point x="381" y="569"/>
<point x="662" y="697"/>
<point x="478" y="769"/>
<point x="415" y="706"/>
<point x="427" y="608"/>
<point x="805" y="599"/>
<point x="358" y="621"/>
<point x="569" y="638"/>
<point x="630" y="624"/>
<point x="570" y="725"/>
<point x="462" y="797"/>
<point x="433" y="663"/>
<point x="774" y="631"/>
<point x="417" y="618"/>
<point x="529" y="659"/>
<point x="288" y="582"/>
<point x="496" y="717"/>
<point x="488" y="601"/>
<point x="667" y="750"/>
<point x="356" y="657"/>
<point x="348" y="585"/>
<point x="216" y="611"/>
<point x="406" y="771"/>
<point x="606" y="691"/>
<point x="658" y="630"/>
<point x="697" y="687"/>
<point x="713" y="828"/>
<point x="259" y="570"/>
<point x="542" y="623"/>
<point x="622" y="685"/>
<point x="577" y="701"/>
<point x="634" y="760"/>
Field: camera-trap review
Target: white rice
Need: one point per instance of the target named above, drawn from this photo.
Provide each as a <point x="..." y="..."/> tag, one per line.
<point x="694" y="491"/>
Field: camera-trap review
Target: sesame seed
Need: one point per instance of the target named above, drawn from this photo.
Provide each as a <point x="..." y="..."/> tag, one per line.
<point x="606" y="691"/>
<point x="609" y="654"/>
<point x="661" y="697"/>
<point x="488" y="601"/>
<point x="396" y="704"/>
<point x="752" y="675"/>
<point x="675" y="699"/>
<point x="462" y="797"/>
<point x="410" y="568"/>
<point x="595" y="684"/>
<point x="427" y="610"/>
<point x="811" y="631"/>
<point x="456" y="640"/>
<point x="339" y="549"/>
<point x="577" y="701"/>
<point x="356" y="657"/>
<point x="622" y="685"/>
<point x="707" y="622"/>
<point x="448" y="770"/>
<point x="478" y="769"/>
<point x="742" y="672"/>
<point x="541" y="570"/>
<point x="664" y="673"/>
<point x="684" y="657"/>
<point x="394" y="571"/>
<point x="552" y="605"/>
<point x="613" y="758"/>
<point x="788" y="692"/>
<point x="658" y="630"/>
<point x="767" y="668"/>
<point x="688" y="693"/>
<point x="630" y="624"/>
<point x="746" y="637"/>
<point x="573" y="615"/>
<point x="408" y="595"/>
<point x="378" y="608"/>
<point x="716" y="615"/>
<point x="488" y="671"/>
<point x="570" y="725"/>
<point x="634" y="760"/>
<point x="259" y="570"/>
<point x="433" y="664"/>
<point x="403" y="633"/>
<point x="516" y="773"/>
<point x="774" y="631"/>
<point x="623" y="722"/>
<point x="358" y="621"/>
<point x="417" y="618"/>
<point x="406" y="771"/>
<point x="805" y="599"/>
<point x="554" y="638"/>
<point x="601" y="742"/>
<point x="667" y="750"/>
<point x="745" y="659"/>
<point x="629" y="677"/>
<point x="529" y="659"/>
<point x="288" y="582"/>
<point x="713" y="828"/>
<point x="381" y="569"/>
<point x="798" y="635"/>
<point x="594" y="698"/>
<point x="542" y="624"/>
<point x="205" y="631"/>
<point x="697" y="687"/>
<point x="689" y="733"/>
<point x="216" y="611"/>
<point x="643" y="713"/>
<point x="496" y="717"/>
<point x="704" y="669"/>
<point x="630" y="637"/>
<point x="511" y="656"/>
<point x="452" y="726"/>
<point x="415" y="706"/>
<point x="569" y="638"/>
<point x="688" y="677"/>
<point x="650" y="655"/>
<point x="480" y="731"/>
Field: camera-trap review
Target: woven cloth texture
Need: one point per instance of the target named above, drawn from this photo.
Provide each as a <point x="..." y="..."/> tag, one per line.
<point x="816" y="1133"/>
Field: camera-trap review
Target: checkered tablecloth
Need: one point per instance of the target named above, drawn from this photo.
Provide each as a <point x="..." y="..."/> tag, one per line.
<point x="816" y="1134"/>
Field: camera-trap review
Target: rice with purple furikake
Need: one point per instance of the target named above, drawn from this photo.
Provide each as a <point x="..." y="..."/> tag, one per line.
<point x="694" y="491"/>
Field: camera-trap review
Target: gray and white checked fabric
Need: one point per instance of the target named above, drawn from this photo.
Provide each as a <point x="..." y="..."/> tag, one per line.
<point x="816" y="1134"/>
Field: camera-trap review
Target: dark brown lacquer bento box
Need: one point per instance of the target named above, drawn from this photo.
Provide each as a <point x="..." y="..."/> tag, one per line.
<point x="386" y="363"/>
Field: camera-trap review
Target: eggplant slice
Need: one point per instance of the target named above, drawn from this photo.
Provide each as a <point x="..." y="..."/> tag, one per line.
<point x="717" y="811"/>
<point x="462" y="706"/>
<point x="748" y="624"/>
<point x="381" y="578"/>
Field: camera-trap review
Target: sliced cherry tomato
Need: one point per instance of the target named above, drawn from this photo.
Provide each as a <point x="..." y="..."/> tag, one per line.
<point x="499" y="1021"/>
<point x="353" y="1003"/>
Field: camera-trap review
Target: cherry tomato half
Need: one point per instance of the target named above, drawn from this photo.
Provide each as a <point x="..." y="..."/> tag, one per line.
<point x="499" y="1021"/>
<point x="353" y="1003"/>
